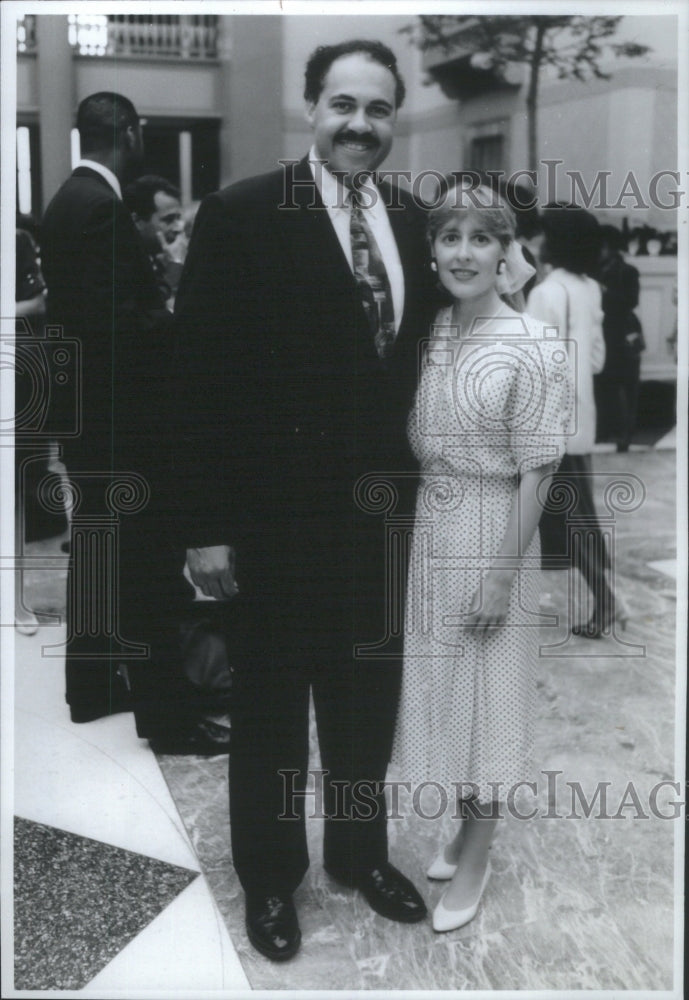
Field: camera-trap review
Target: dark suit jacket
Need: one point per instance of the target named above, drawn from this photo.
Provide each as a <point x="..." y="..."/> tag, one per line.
<point x="102" y="291"/>
<point x="282" y="400"/>
<point x="620" y="298"/>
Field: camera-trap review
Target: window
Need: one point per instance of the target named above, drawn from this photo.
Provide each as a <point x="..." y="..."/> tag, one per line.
<point x="88" y="34"/>
<point x="487" y="152"/>
<point x="186" y="152"/>
<point x="28" y="200"/>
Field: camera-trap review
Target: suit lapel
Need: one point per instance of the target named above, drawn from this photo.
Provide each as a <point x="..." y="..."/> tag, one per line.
<point x="321" y="253"/>
<point x="317" y="229"/>
<point x="403" y="230"/>
<point x="319" y="256"/>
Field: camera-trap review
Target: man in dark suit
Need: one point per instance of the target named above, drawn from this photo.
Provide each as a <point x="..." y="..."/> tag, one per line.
<point x="157" y="212"/>
<point x="296" y="359"/>
<point x="617" y="385"/>
<point x="102" y="292"/>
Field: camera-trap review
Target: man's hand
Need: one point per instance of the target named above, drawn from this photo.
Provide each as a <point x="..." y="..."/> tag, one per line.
<point x="177" y="250"/>
<point x="212" y="570"/>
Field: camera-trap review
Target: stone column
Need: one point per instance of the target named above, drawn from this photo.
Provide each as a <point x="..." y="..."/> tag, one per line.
<point x="55" y="100"/>
<point x="251" y="137"/>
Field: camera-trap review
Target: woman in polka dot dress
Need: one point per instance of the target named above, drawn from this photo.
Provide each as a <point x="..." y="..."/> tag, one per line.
<point x="488" y="429"/>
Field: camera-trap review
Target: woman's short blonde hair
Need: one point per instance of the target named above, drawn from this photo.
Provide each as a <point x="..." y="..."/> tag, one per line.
<point x="496" y="216"/>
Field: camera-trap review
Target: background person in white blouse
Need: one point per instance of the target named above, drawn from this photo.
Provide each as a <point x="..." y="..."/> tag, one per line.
<point x="571" y="300"/>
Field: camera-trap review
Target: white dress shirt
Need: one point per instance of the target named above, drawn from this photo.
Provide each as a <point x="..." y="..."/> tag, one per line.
<point x="335" y="198"/>
<point x="104" y="172"/>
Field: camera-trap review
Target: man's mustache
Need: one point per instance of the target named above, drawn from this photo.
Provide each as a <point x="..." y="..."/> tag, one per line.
<point x="364" y="140"/>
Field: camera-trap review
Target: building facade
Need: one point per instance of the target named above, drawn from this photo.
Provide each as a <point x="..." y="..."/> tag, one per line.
<point x="222" y="99"/>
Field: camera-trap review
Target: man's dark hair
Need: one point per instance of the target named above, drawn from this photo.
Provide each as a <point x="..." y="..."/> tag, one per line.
<point x="139" y="196"/>
<point x="572" y="238"/>
<point x="324" y="56"/>
<point x="102" y="118"/>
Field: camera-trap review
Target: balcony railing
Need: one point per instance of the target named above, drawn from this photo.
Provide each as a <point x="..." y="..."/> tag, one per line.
<point x="166" y="36"/>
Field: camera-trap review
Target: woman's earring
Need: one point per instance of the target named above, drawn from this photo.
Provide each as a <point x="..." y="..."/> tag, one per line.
<point x="501" y="267"/>
<point x="434" y="264"/>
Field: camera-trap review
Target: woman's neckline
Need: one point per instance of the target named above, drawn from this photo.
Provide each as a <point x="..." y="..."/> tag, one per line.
<point x="478" y="323"/>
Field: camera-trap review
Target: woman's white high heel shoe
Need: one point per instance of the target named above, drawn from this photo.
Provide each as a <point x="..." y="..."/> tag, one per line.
<point x="445" y="919"/>
<point x="440" y="868"/>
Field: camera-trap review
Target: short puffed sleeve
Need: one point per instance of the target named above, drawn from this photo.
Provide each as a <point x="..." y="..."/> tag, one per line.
<point x="541" y="402"/>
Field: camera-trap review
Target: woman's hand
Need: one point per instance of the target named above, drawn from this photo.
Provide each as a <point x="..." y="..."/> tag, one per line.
<point x="492" y="598"/>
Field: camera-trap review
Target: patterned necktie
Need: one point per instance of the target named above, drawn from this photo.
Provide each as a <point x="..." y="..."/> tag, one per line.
<point x="372" y="279"/>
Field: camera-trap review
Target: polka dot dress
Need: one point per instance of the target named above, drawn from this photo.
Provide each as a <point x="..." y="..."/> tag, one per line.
<point x="488" y="407"/>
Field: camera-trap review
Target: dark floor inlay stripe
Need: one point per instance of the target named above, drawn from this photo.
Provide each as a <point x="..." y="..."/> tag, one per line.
<point x="78" y="902"/>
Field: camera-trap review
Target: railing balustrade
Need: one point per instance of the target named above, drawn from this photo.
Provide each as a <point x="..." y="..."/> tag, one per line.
<point x="166" y="36"/>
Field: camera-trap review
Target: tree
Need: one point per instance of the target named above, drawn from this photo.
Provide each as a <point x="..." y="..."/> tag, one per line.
<point x="572" y="45"/>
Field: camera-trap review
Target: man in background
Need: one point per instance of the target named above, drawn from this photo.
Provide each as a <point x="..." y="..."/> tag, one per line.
<point x="157" y="212"/>
<point x="103" y="293"/>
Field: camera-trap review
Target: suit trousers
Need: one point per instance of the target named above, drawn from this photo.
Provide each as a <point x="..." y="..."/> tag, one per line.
<point x="126" y="599"/>
<point x="290" y="632"/>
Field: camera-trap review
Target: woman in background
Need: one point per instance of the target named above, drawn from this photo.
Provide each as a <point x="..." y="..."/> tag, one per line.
<point x="569" y="299"/>
<point x="33" y="462"/>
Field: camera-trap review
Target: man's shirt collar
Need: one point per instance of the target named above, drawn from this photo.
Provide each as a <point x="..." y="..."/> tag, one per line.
<point x="105" y="172"/>
<point x="334" y="195"/>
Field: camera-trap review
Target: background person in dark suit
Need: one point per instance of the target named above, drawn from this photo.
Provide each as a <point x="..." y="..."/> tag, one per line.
<point x="102" y="293"/>
<point x="617" y="385"/>
<point x="157" y="212"/>
<point x="292" y="386"/>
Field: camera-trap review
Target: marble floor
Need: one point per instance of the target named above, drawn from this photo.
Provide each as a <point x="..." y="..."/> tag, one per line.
<point x="575" y="903"/>
<point x="109" y="893"/>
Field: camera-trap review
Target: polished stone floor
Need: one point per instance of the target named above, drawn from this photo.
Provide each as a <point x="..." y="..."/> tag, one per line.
<point x="116" y="894"/>
<point x="575" y="902"/>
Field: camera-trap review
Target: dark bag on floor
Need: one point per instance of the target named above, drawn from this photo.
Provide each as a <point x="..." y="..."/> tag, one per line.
<point x="203" y="654"/>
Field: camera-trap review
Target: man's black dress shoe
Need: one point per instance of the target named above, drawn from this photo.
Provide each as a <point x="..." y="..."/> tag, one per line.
<point x="90" y="713"/>
<point x="272" y="926"/>
<point x="388" y="892"/>
<point x="119" y="700"/>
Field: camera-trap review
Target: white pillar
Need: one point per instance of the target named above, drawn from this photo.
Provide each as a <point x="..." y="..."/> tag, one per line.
<point x="55" y="100"/>
<point x="251" y="53"/>
<point x="185" y="163"/>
